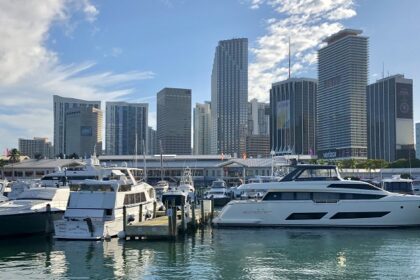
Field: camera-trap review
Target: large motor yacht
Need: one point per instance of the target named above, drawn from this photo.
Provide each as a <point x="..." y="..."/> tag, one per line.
<point x="184" y="191"/>
<point x="96" y="207"/>
<point x="32" y="211"/>
<point x="219" y="193"/>
<point x="316" y="196"/>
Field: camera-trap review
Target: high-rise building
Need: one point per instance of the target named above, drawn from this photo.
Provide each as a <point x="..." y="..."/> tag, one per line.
<point x="151" y="142"/>
<point x="341" y="98"/>
<point x="202" y="129"/>
<point x="293" y="116"/>
<point x="390" y="118"/>
<point x="126" y="123"/>
<point x="83" y="131"/>
<point x="258" y="119"/>
<point x="258" y="146"/>
<point x="173" y="126"/>
<point x="417" y="140"/>
<point x="229" y="97"/>
<point x="61" y="105"/>
<point x="38" y="147"/>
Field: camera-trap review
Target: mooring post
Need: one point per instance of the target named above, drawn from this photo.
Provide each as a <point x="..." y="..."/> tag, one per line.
<point x="202" y="213"/>
<point x="169" y="215"/>
<point x="212" y="210"/>
<point x="193" y="214"/>
<point x="124" y="217"/>
<point x="48" y="225"/>
<point x="174" y="217"/>
<point x="140" y="212"/>
<point x="154" y="208"/>
<point x="183" y="216"/>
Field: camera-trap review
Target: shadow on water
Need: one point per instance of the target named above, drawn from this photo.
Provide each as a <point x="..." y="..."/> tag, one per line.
<point x="268" y="253"/>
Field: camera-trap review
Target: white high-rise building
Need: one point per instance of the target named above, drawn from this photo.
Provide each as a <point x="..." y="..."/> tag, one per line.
<point x="39" y="147"/>
<point x="229" y="97"/>
<point x="61" y="106"/>
<point x="202" y="129"/>
<point x="126" y="123"/>
<point x="341" y="99"/>
<point x="258" y="118"/>
<point x="418" y="140"/>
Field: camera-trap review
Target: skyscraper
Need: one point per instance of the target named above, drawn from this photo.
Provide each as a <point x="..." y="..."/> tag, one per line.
<point x="38" y="147"/>
<point x="390" y="118"/>
<point x="61" y="105"/>
<point x="126" y="122"/>
<point x="341" y="99"/>
<point x="84" y="131"/>
<point x="229" y="97"/>
<point x="151" y="141"/>
<point x="417" y="140"/>
<point x="293" y="116"/>
<point x="202" y="129"/>
<point x="173" y="126"/>
<point x="258" y="118"/>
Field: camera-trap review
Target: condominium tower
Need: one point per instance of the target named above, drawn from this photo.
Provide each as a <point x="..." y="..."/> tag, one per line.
<point x="39" y="147"/>
<point x="126" y="128"/>
<point x="390" y="119"/>
<point x="173" y="125"/>
<point x="202" y="129"/>
<point x="293" y="116"/>
<point x="229" y="97"/>
<point x="61" y="105"/>
<point x="341" y="99"/>
<point x="83" y="131"/>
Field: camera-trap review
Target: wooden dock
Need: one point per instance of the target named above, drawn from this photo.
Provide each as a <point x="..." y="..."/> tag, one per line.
<point x="170" y="224"/>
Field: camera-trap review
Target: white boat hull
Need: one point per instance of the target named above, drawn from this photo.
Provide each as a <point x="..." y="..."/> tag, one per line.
<point x="381" y="213"/>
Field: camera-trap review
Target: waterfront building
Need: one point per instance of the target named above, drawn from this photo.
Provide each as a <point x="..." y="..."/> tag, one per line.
<point x="229" y="97"/>
<point x="126" y="123"/>
<point x="341" y="98"/>
<point x="61" y="105"/>
<point x="258" y="146"/>
<point x="173" y="127"/>
<point x="39" y="147"/>
<point x="390" y="118"/>
<point x="83" y="131"/>
<point x="293" y="116"/>
<point x="417" y="140"/>
<point x="202" y="129"/>
<point x="258" y="118"/>
<point x="152" y="147"/>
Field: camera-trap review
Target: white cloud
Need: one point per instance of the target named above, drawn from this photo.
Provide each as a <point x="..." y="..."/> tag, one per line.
<point x="306" y="22"/>
<point x="30" y="73"/>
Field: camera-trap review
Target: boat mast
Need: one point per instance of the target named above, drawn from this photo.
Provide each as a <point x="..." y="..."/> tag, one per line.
<point x="144" y="162"/>
<point x="161" y="160"/>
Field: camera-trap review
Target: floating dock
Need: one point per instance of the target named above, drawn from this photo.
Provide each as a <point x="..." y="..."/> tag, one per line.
<point x="173" y="222"/>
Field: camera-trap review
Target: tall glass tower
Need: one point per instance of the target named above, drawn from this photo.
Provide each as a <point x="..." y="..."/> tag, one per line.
<point x="229" y="97"/>
<point x="341" y="100"/>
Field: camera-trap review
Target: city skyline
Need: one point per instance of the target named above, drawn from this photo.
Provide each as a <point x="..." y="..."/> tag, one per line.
<point x="71" y="53"/>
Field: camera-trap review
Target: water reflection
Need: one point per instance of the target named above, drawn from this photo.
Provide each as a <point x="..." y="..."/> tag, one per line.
<point x="222" y="254"/>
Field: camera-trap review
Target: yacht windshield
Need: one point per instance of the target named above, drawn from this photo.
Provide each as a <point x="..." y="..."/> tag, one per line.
<point x="91" y="188"/>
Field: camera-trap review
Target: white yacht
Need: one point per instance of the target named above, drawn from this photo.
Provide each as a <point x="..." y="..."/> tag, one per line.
<point x="96" y="207"/>
<point x="398" y="185"/>
<point x="32" y="211"/>
<point x="316" y="196"/>
<point x="161" y="187"/>
<point x="219" y="193"/>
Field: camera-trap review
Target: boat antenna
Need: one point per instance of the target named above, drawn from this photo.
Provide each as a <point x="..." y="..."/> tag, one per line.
<point x="144" y="162"/>
<point x="161" y="160"/>
<point x="289" y="57"/>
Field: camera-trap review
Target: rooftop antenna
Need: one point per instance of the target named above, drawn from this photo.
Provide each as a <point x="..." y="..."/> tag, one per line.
<point x="289" y="57"/>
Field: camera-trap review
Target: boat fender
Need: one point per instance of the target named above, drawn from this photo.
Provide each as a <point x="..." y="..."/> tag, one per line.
<point x="121" y="235"/>
<point x="130" y="219"/>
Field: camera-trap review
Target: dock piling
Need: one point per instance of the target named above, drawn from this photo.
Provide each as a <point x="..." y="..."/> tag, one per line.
<point x="140" y="212"/>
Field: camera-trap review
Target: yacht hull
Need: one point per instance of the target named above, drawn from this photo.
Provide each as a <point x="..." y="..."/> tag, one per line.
<point x="386" y="213"/>
<point x="86" y="229"/>
<point x="14" y="225"/>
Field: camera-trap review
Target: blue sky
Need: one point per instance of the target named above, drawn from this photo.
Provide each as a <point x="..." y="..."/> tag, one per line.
<point x="129" y="50"/>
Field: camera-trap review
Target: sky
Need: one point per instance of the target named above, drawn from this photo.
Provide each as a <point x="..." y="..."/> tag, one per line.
<point x="129" y="50"/>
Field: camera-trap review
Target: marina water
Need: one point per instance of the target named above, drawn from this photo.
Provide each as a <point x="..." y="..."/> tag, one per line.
<point x="266" y="253"/>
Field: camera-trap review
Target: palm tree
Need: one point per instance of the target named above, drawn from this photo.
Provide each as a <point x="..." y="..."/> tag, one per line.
<point x="14" y="155"/>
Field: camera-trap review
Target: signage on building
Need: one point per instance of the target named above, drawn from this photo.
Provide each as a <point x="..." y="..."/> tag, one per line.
<point x="283" y="114"/>
<point x="329" y="154"/>
<point x="404" y="101"/>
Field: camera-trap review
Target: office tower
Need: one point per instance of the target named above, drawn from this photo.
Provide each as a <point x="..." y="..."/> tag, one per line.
<point x="61" y="105"/>
<point x="229" y="97"/>
<point x="152" y="147"/>
<point x="293" y="116"/>
<point x="38" y="147"/>
<point x="390" y="119"/>
<point x="341" y="98"/>
<point x="417" y="140"/>
<point x="258" y="118"/>
<point x="202" y="129"/>
<point x="126" y="123"/>
<point x="258" y="146"/>
<point x="173" y="127"/>
<point x="83" y="131"/>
